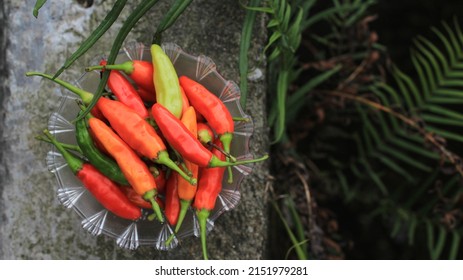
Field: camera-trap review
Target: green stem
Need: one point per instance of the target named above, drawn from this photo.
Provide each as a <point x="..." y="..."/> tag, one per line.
<point x="73" y="162"/>
<point x="163" y="158"/>
<point x="126" y="67"/>
<point x="151" y="197"/>
<point x="68" y="147"/>
<point x="84" y="95"/>
<point x="216" y="162"/>
<point x="203" y="215"/>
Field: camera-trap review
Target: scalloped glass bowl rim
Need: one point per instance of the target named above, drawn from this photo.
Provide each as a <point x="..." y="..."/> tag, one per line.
<point x="132" y="234"/>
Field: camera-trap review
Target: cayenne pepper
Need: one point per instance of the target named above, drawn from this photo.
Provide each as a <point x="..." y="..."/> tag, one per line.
<point x="102" y="162"/>
<point x="138" y="134"/>
<point x="134" y="169"/>
<point x="209" y="187"/>
<point x="186" y="191"/>
<point x="101" y="187"/>
<point x="185" y="143"/>
<point x="126" y="93"/>
<point x="140" y="71"/>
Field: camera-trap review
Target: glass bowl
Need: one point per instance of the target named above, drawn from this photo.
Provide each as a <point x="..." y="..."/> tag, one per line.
<point x="143" y="232"/>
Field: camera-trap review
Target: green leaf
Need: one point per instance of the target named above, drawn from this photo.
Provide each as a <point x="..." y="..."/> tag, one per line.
<point x="455" y="246"/>
<point x="38" y="5"/>
<point x="245" y="43"/>
<point x="177" y="8"/>
<point x="294" y="31"/>
<point x="299" y="250"/>
<point x="280" y="109"/>
<point x="107" y="22"/>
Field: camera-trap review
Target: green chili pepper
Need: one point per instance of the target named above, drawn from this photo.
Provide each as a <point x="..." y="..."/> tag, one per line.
<point x="102" y="162"/>
<point x="166" y="82"/>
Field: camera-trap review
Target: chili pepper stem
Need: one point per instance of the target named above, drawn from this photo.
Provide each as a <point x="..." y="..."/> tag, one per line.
<point x="74" y="163"/>
<point x="203" y="215"/>
<point x="216" y="162"/>
<point x="84" y="95"/>
<point x="226" y="139"/>
<point x="68" y="147"/>
<point x="126" y="67"/>
<point x="150" y="196"/>
<point x="163" y="158"/>
<point x="228" y="155"/>
<point x="184" y="205"/>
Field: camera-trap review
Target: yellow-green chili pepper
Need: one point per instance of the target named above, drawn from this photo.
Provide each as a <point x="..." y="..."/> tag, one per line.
<point x="166" y="82"/>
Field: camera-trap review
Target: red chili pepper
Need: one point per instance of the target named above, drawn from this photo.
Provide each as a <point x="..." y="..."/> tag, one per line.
<point x="101" y="187"/>
<point x="140" y="71"/>
<point x="185" y="143"/>
<point x="172" y="200"/>
<point x="135" y="198"/>
<point x="134" y="169"/>
<point x="138" y="134"/>
<point x="211" y="108"/>
<point x="159" y="177"/>
<point x="209" y="187"/>
<point x="126" y="93"/>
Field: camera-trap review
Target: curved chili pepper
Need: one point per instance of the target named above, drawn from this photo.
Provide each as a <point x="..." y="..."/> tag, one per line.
<point x="185" y="143"/>
<point x="84" y="95"/>
<point x="134" y="169"/>
<point x="166" y="82"/>
<point x="102" y="162"/>
<point x="138" y="134"/>
<point x="209" y="187"/>
<point x="140" y="71"/>
<point x="186" y="191"/>
<point x="124" y="91"/>
<point x="172" y="200"/>
<point x="211" y="108"/>
<point x="101" y="187"/>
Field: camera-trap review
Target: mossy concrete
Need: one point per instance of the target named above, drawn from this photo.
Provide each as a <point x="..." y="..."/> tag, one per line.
<point x="33" y="224"/>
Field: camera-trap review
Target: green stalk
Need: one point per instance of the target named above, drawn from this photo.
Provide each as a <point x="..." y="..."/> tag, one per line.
<point x="84" y="95"/>
<point x="203" y="215"/>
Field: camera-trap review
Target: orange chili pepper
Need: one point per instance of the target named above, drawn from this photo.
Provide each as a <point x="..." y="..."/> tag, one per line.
<point x="186" y="191"/>
<point x="138" y="134"/>
<point x="134" y="169"/>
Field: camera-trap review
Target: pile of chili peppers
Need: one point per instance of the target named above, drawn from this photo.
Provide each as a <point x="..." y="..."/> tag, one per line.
<point x="154" y="141"/>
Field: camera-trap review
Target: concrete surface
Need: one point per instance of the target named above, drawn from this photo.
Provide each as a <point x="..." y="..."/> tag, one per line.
<point x="33" y="224"/>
